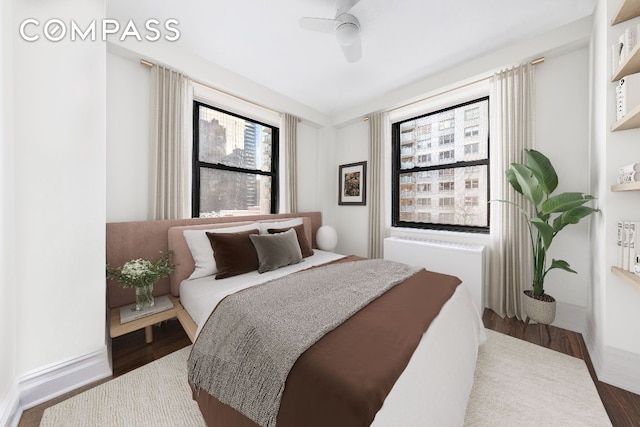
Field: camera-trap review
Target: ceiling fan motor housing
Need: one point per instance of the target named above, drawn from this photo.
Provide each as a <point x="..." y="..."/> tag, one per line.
<point x="347" y="29"/>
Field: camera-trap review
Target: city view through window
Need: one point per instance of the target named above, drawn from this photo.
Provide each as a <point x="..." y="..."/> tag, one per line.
<point x="441" y="168"/>
<point x="234" y="168"/>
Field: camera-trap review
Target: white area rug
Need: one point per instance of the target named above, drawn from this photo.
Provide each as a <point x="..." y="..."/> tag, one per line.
<point x="516" y="384"/>
<point x="522" y="384"/>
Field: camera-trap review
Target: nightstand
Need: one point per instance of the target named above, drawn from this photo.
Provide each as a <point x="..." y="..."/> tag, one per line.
<point x="118" y="328"/>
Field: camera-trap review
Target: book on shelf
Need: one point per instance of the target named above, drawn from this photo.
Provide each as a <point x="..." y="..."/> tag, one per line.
<point x="627" y="94"/>
<point x="128" y="313"/>
<point x="628" y="244"/>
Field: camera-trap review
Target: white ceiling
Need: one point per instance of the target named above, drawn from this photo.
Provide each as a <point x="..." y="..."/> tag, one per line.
<point x="403" y="41"/>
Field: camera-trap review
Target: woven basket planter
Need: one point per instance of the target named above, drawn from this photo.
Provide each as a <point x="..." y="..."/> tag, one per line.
<point x="540" y="310"/>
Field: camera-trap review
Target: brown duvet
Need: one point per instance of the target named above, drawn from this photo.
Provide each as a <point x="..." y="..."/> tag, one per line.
<point x="344" y="378"/>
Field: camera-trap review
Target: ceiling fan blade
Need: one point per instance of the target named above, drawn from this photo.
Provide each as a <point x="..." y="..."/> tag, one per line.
<point x="367" y="11"/>
<point x="322" y="25"/>
<point x="353" y="52"/>
<point x="345" y="6"/>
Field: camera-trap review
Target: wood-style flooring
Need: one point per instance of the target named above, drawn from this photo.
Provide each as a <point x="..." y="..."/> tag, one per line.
<point x="130" y="352"/>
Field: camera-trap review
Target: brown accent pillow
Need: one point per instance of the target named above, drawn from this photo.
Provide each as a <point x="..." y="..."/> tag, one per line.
<point x="305" y="247"/>
<point x="234" y="253"/>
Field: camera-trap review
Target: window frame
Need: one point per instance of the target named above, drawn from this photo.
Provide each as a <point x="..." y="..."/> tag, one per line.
<point x="397" y="171"/>
<point x="197" y="163"/>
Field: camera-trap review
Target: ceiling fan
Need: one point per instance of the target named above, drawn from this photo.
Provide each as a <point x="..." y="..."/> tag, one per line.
<point x="345" y="26"/>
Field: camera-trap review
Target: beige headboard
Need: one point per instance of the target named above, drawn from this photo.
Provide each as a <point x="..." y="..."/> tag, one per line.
<point x="146" y="239"/>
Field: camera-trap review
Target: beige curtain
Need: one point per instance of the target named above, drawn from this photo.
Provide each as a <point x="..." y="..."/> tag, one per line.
<point x="511" y="132"/>
<point x="290" y="128"/>
<point x="171" y="145"/>
<point x="376" y="197"/>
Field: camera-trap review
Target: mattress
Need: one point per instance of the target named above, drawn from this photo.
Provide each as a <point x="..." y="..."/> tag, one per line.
<point x="435" y="386"/>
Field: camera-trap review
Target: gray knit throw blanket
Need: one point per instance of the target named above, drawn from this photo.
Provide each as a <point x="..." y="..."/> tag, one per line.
<point x="246" y="349"/>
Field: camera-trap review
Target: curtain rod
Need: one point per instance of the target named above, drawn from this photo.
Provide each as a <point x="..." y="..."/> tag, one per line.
<point x="151" y="64"/>
<point x="533" y="62"/>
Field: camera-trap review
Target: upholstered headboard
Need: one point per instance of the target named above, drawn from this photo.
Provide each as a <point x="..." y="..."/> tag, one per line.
<point x="146" y="239"/>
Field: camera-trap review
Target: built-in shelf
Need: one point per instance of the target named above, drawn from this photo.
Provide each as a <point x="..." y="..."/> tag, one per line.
<point x="631" y="120"/>
<point x="630" y="65"/>
<point x="631" y="186"/>
<point x="627" y="276"/>
<point x="629" y="9"/>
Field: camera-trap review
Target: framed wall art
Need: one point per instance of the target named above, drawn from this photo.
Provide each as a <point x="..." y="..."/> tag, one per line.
<point x="352" y="184"/>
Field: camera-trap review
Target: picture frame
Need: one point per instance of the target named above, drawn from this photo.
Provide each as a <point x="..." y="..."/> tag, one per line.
<point x="352" y="184"/>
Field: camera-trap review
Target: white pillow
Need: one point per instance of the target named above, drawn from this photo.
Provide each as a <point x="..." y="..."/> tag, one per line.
<point x="201" y="251"/>
<point x="265" y="225"/>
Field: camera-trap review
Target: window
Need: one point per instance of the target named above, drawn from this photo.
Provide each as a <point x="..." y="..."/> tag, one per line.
<point x="472" y="113"/>
<point x="458" y="172"/>
<point x="472" y="148"/>
<point x="235" y="164"/>
<point x="447" y="155"/>
<point x="446" y="201"/>
<point x="471" y="131"/>
<point x="446" y="186"/>
<point x="445" y="139"/>
<point x="471" y="201"/>
<point x="424" y="158"/>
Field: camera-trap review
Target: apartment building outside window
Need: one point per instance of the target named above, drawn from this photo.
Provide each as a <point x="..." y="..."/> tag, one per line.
<point x="456" y="175"/>
<point x="235" y="164"/>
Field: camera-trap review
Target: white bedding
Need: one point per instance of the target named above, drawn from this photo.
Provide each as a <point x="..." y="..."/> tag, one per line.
<point x="435" y="386"/>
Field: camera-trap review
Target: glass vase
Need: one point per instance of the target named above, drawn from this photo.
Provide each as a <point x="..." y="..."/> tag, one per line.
<point x="144" y="297"/>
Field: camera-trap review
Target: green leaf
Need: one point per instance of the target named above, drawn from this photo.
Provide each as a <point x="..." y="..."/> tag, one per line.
<point x="511" y="177"/>
<point x="564" y="202"/>
<point x="528" y="183"/>
<point x="573" y="216"/>
<point x="562" y="265"/>
<point x="543" y="170"/>
<point x="545" y="231"/>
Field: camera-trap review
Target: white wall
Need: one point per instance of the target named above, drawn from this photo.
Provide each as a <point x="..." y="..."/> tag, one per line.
<point x="351" y="222"/>
<point x="58" y="155"/>
<point x="8" y="320"/>
<point x="128" y="111"/>
<point x="562" y="133"/>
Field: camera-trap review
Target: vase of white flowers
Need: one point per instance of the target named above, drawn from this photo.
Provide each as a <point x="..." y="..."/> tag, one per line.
<point x="141" y="274"/>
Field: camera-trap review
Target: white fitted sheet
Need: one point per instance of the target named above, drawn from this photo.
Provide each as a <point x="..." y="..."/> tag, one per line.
<point x="200" y="296"/>
<point x="435" y="386"/>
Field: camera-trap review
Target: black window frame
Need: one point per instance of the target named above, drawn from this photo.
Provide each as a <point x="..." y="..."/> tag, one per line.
<point x="197" y="163"/>
<point x="397" y="171"/>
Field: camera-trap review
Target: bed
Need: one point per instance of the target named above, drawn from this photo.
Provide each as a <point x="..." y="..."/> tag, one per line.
<point x="432" y="389"/>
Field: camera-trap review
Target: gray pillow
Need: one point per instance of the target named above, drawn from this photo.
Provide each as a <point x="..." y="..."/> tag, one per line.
<point x="276" y="250"/>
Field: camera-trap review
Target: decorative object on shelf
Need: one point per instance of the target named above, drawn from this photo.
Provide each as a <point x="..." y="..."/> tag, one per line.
<point x="327" y="238"/>
<point x="352" y="188"/>
<point x="536" y="181"/>
<point x="141" y="274"/>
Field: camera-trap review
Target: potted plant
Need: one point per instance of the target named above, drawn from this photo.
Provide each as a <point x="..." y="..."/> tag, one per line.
<point x="141" y="274"/>
<point x="549" y="214"/>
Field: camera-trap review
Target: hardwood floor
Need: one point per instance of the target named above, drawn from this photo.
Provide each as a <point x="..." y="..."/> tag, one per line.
<point x="130" y="352"/>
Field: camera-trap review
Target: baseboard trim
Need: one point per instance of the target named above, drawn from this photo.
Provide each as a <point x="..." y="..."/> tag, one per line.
<point x="621" y="368"/>
<point x="54" y="380"/>
<point x="571" y="317"/>
<point x="613" y="366"/>
<point x="10" y="411"/>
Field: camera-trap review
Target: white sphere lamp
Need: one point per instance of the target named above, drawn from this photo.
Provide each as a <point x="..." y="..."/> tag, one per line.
<point x="327" y="238"/>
